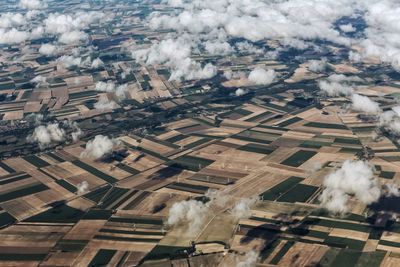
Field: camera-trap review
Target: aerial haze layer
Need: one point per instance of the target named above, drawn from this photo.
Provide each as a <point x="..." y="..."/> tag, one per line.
<point x="200" y="133"/>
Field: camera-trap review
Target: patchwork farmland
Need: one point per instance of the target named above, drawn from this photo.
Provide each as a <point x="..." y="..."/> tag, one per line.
<point x="121" y="218"/>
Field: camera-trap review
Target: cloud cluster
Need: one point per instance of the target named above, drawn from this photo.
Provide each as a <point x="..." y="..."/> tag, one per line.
<point x="32" y="4"/>
<point x="15" y="28"/>
<point x="46" y="135"/>
<point x="175" y="53"/>
<point x="260" y="76"/>
<point x="353" y="178"/>
<point x="382" y="39"/>
<point x="13" y="36"/>
<point x="111" y="87"/>
<point x="257" y="20"/>
<point x="9" y="20"/>
<point x="70" y="61"/>
<point x="69" y="27"/>
<point x="194" y="214"/>
<point x="100" y="147"/>
<point x="338" y="85"/>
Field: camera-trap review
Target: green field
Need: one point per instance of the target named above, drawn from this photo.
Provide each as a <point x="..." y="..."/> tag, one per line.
<point x="326" y="125"/>
<point x="112" y="196"/>
<point x="60" y="214"/>
<point x="275" y="260"/>
<point x="299" y="158"/>
<point x="36" y="161"/>
<point x="190" y="163"/>
<point x="290" y="121"/>
<point x="281" y="188"/>
<point x="71" y="245"/>
<point x="67" y="186"/>
<point x="257" y="148"/>
<point x="189" y="187"/>
<point x="95" y="171"/>
<point x="299" y="193"/>
<point x="102" y="258"/>
<point x="33" y="189"/>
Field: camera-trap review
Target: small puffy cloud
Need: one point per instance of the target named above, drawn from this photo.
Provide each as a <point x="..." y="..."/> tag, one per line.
<point x="261" y="76"/>
<point x="192" y="212"/>
<point x="391" y="190"/>
<point x="347" y="28"/>
<point x="70" y="61"/>
<point x="40" y="81"/>
<point x="218" y="48"/>
<point x="105" y="104"/>
<point x="72" y="37"/>
<point x="364" y="104"/>
<point x="97" y="63"/>
<point x="46" y="135"/>
<point x="76" y="132"/>
<point x="83" y="188"/>
<point x="37" y="33"/>
<point x="48" y="49"/>
<point x="100" y="147"/>
<point x="318" y="65"/>
<point x="249" y="260"/>
<point x="105" y="86"/>
<point x="242" y="209"/>
<point x="32" y="4"/>
<point x="354" y="178"/>
<point x="390" y="121"/>
<point x="240" y="92"/>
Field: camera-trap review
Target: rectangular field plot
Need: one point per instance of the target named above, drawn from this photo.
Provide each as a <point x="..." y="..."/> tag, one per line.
<point x="299" y="158"/>
<point x="281" y="188"/>
<point x="326" y="125"/>
<point x="299" y="193"/>
<point x="95" y="171"/>
<point x="199" y="189"/>
<point x="190" y="163"/>
<point x="33" y="189"/>
<point x="290" y="121"/>
<point x="103" y="257"/>
<point x="256" y="148"/>
<point x="36" y="161"/>
<point x="212" y="179"/>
